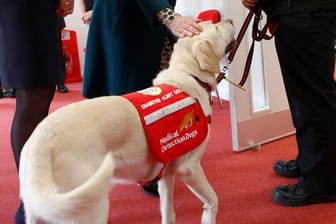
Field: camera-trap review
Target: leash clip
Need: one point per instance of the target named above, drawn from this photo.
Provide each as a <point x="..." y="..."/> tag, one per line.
<point x="223" y="75"/>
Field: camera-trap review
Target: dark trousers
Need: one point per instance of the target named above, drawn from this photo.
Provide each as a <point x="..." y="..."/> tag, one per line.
<point x="60" y="27"/>
<point x="305" y="44"/>
<point x="63" y="61"/>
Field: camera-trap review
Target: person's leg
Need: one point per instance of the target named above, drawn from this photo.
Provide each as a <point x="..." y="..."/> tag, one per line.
<point x="61" y="87"/>
<point x="32" y="106"/>
<point x="305" y="47"/>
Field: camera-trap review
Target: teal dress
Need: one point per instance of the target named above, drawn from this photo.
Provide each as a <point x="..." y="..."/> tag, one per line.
<point x="124" y="46"/>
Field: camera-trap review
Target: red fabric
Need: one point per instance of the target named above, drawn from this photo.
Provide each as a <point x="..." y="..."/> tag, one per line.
<point x="173" y="121"/>
<point x="211" y="14"/>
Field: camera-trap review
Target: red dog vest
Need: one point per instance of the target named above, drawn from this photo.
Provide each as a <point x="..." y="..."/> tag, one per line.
<point x="173" y="121"/>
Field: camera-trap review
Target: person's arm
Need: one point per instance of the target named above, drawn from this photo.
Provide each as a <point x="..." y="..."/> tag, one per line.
<point x="64" y="7"/>
<point x="150" y="8"/>
<point x="82" y="6"/>
<point x="86" y="15"/>
<point x="180" y="26"/>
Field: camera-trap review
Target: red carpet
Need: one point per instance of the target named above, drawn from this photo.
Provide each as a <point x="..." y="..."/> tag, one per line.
<point x="243" y="181"/>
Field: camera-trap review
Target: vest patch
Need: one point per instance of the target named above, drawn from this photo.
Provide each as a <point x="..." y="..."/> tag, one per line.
<point x="173" y="121"/>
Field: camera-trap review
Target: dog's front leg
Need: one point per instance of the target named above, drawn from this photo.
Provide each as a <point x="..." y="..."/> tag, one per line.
<point x="166" y="191"/>
<point x="30" y="219"/>
<point x="197" y="182"/>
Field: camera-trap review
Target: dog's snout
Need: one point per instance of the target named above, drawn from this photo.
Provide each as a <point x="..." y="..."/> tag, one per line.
<point x="232" y="45"/>
<point x="229" y="21"/>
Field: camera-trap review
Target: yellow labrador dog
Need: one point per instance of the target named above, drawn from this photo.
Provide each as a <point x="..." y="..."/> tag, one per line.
<point x="77" y="152"/>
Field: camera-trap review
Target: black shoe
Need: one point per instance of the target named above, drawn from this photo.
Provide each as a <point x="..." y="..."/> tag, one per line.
<point x="292" y="195"/>
<point x="10" y="93"/>
<point x="151" y="189"/>
<point x="20" y="215"/>
<point x="287" y="168"/>
<point x="62" y="88"/>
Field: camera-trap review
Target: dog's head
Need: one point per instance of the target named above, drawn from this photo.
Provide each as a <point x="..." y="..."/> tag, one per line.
<point x="215" y="41"/>
<point x="200" y="55"/>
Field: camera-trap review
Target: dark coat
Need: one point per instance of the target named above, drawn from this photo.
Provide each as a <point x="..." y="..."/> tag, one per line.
<point x="280" y="7"/>
<point x="124" y="46"/>
<point x="29" y="47"/>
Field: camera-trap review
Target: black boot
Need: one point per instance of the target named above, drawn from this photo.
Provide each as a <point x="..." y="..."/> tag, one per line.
<point x="151" y="189"/>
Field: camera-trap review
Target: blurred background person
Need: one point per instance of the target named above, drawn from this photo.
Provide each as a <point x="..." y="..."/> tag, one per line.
<point x="30" y="63"/>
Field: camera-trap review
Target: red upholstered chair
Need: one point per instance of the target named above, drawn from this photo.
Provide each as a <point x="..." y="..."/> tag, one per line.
<point x="214" y="16"/>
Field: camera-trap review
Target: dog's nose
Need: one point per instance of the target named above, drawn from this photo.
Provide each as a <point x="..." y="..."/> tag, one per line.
<point x="229" y="21"/>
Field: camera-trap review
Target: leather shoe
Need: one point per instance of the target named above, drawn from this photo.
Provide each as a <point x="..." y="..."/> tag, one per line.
<point x="62" y="88"/>
<point x="151" y="189"/>
<point x="293" y="195"/>
<point x="287" y="168"/>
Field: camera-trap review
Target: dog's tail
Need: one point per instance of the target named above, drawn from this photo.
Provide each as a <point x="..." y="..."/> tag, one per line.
<point x="42" y="199"/>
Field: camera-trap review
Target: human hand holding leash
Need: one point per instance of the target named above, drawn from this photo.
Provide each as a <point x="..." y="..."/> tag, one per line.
<point x="249" y="3"/>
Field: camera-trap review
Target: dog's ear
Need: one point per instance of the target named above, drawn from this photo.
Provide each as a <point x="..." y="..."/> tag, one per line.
<point x="206" y="57"/>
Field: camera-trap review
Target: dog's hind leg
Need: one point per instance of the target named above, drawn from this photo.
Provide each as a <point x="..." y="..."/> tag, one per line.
<point x="166" y="191"/>
<point x="30" y="219"/>
<point x="97" y="215"/>
<point x="197" y="182"/>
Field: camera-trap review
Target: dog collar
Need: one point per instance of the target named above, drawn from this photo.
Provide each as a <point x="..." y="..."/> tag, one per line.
<point x="205" y="85"/>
